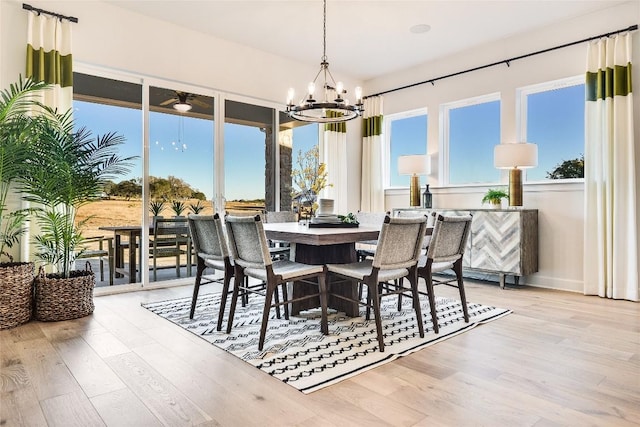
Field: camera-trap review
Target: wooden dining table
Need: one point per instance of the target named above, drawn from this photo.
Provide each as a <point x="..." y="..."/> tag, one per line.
<point x="321" y="246"/>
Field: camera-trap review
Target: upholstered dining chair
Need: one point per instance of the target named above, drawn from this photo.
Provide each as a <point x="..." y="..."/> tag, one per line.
<point x="250" y="251"/>
<point x="445" y="252"/>
<point x="210" y="247"/>
<point x="396" y="257"/>
<point x="367" y="248"/>
<point x="279" y="249"/>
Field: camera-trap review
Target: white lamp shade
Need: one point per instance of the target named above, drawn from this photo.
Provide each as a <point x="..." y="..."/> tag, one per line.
<point x="416" y="164"/>
<point x="517" y="155"/>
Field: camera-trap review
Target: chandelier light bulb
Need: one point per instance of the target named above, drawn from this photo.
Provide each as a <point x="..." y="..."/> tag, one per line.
<point x="290" y="96"/>
<point x="358" y="94"/>
<point x="339" y="88"/>
<point x="311" y="88"/>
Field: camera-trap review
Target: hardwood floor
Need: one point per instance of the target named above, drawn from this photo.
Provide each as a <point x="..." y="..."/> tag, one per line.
<point x="560" y="359"/>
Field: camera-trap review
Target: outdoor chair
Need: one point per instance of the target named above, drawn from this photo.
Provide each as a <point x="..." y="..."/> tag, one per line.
<point x="396" y="257"/>
<point x="250" y="251"/>
<point x="170" y="239"/>
<point x="445" y="252"/>
<point x="88" y="250"/>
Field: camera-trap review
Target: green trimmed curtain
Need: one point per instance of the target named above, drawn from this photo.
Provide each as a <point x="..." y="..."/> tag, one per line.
<point x="372" y="191"/>
<point x="611" y="233"/>
<point x="333" y="152"/>
<point x="49" y="58"/>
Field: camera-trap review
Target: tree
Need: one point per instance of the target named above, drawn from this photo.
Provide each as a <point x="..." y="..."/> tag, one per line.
<point x="573" y="168"/>
<point x="310" y="177"/>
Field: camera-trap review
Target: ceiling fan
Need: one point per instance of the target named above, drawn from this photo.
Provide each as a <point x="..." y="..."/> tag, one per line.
<point x="183" y="101"/>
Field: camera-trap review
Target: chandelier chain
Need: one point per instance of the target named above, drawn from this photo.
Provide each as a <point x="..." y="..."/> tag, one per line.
<point x="324" y="31"/>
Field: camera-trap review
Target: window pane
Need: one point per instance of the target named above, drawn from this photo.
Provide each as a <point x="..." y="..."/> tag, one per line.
<point x="248" y="143"/>
<point x="474" y="131"/>
<point x="407" y="136"/>
<point x="555" y="121"/>
<point x="102" y="106"/>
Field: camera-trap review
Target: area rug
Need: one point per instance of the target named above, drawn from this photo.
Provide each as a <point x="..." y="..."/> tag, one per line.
<point x="297" y="353"/>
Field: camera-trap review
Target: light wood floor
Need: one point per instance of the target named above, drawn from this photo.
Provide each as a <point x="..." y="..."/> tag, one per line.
<point x="559" y="359"/>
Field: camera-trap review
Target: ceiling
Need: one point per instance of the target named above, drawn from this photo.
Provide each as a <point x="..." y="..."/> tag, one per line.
<point x="365" y="39"/>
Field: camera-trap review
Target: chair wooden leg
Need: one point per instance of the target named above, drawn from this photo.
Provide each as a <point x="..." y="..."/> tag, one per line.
<point x="265" y="314"/>
<point x="413" y="279"/>
<point x="225" y="294"/>
<point x="375" y="300"/>
<point x="237" y="281"/>
<point x="457" y="267"/>
<point x="399" y="284"/>
<point x="285" y="298"/>
<point x="276" y="296"/>
<point x="101" y="269"/>
<point x="432" y="300"/>
<point x="196" y="287"/>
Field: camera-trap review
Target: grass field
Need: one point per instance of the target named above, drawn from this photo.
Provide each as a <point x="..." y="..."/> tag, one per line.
<point x="129" y="212"/>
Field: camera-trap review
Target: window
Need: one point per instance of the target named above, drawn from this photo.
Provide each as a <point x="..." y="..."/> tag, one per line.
<point x="470" y="131"/>
<point x="552" y="115"/>
<point x="405" y="133"/>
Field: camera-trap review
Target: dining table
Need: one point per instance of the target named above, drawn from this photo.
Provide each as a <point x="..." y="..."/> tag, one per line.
<point x="332" y="244"/>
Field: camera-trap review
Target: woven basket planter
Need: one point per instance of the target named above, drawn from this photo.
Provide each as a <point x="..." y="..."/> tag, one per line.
<point x="16" y="293"/>
<point x="58" y="298"/>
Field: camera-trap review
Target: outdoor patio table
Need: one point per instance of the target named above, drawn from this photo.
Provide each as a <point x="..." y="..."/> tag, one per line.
<point x="132" y="232"/>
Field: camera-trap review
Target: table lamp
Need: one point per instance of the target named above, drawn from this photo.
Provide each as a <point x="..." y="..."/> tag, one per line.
<point x="515" y="157"/>
<point x="414" y="165"/>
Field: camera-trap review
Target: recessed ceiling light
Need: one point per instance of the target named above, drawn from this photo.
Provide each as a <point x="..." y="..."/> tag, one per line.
<point x="420" y="28"/>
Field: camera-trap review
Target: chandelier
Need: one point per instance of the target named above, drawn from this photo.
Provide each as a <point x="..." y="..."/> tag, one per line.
<point x="334" y="107"/>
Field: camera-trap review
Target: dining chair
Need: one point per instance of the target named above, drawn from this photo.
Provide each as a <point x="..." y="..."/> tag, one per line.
<point x="367" y="248"/>
<point x="250" y="251"/>
<point x="94" y="247"/>
<point x="445" y="252"/>
<point x="396" y="257"/>
<point x="170" y="239"/>
<point x="277" y="248"/>
<point x="211" y="250"/>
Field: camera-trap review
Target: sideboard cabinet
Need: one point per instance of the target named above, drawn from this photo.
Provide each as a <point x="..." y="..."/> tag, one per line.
<point x="502" y="241"/>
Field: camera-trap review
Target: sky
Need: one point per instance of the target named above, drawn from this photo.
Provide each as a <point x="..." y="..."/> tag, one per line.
<point x="183" y="146"/>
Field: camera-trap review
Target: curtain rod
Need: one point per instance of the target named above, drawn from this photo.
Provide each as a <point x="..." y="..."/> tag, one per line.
<point x="46" y="12"/>
<point x="505" y="61"/>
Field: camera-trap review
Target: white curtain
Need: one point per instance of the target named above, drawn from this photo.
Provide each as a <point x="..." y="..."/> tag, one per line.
<point x="333" y="153"/>
<point x="49" y="58"/>
<point x="611" y="234"/>
<point x="372" y="193"/>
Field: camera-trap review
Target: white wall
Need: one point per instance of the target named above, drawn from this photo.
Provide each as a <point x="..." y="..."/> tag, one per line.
<point x="561" y="216"/>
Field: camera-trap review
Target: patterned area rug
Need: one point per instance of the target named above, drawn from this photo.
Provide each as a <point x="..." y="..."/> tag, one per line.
<point x="297" y="353"/>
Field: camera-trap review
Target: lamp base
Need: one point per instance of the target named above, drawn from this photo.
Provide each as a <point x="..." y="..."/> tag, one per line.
<point x="515" y="187"/>
<point x="414" y="191"/>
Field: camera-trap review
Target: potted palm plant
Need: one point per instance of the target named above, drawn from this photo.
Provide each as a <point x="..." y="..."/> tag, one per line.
<point x="17" y="130"/>
<point x="66" y="170"/>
